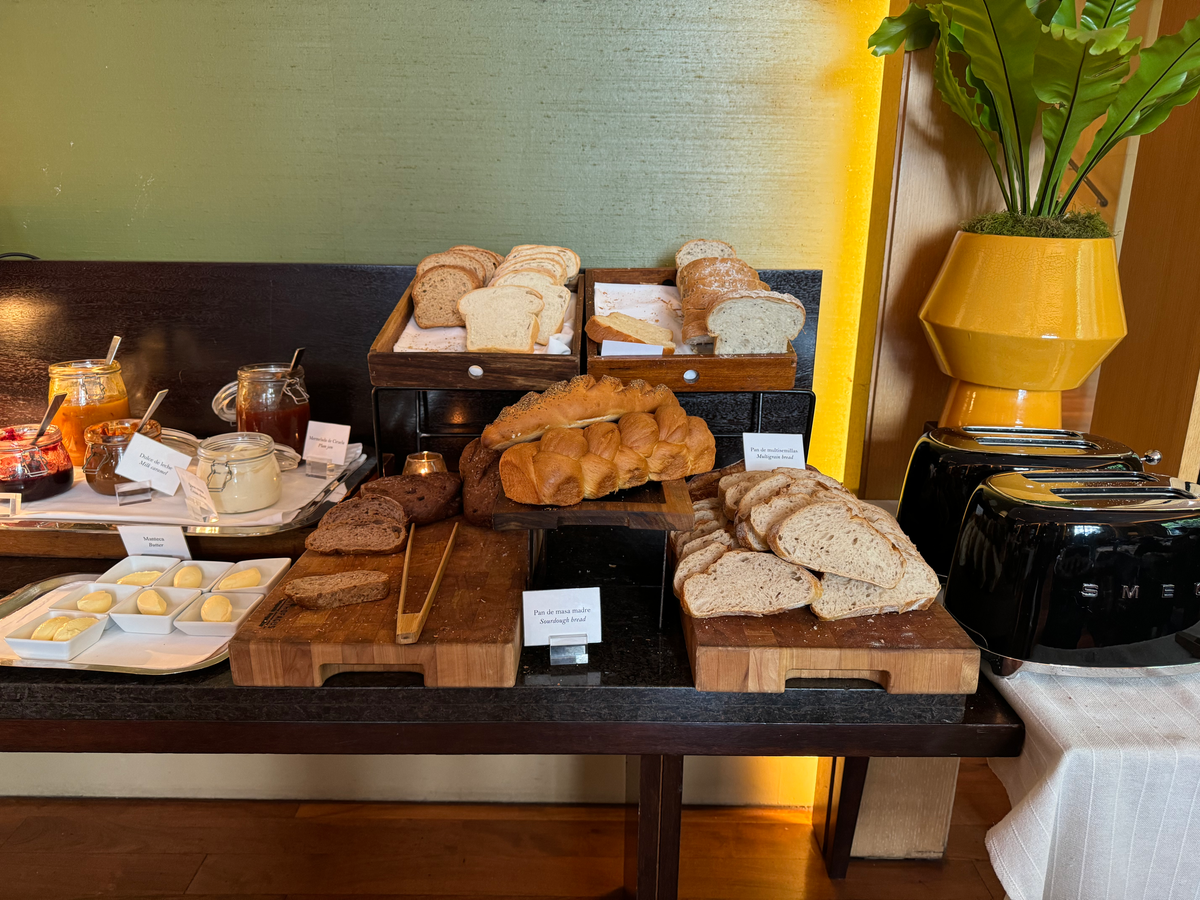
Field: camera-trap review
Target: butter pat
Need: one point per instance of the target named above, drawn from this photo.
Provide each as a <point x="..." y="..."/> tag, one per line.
<point x="74" y="627"/>
<point x="247" y="578"/>
<point x="151" y="603"/>
<point x="47" y="630"/>
<point x="141" y="578"/>
<point x="189" y="577"/>
<point x="216" y="609"/>
<point x="95" y="602"/>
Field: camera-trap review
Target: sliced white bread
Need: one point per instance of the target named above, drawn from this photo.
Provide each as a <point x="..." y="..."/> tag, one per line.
<point x="742" y="583"/>
<point x="454" y="258"/>
<point x="436" y="293"/>
<point x="501" y="319"/>
<point x="550" y="319"/>
<point x="534" y="278"/>
<point x="719" y="537"/>
<point x="553" y="267"/>
<point x="697" y="562"/>
<point x="569" y="257"/>
<point x="484" y="257"/>
<point x="702" y="248"/>
<point x="620" y="327"/>
<point x="755" y="322"/>
<point x="829" y="536"/>
<point x="842" y="598"/>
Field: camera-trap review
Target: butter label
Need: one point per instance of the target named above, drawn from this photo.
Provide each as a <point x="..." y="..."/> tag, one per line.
<point x="154" y="540"/>
<point x="147" y="460"/>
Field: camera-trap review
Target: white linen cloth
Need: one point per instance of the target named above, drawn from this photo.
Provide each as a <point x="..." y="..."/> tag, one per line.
<point x="1105" y="793"/>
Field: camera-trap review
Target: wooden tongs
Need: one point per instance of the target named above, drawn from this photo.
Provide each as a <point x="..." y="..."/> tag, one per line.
<point x="409" y="625"/>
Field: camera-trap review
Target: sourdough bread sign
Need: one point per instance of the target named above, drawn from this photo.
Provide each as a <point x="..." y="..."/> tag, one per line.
<point x="573" y="611"/>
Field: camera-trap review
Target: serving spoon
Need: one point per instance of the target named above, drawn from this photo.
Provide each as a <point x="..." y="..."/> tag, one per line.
<point x="158" y="398"/>
<point x="112" y="350"/>
<point x="51" y="411"/>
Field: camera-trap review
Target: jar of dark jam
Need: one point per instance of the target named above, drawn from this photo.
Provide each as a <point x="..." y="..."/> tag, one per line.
<point x="34" y="471"/>
<point x="268" y="399"/>
<point x="106" y="443"/>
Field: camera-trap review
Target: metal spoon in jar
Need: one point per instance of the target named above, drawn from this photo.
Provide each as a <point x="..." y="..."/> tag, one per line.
<point x="112" y="350"/>
<point x="51" y="411"/>
<point x="158" y="398"/>
<point x="295" y="360"/>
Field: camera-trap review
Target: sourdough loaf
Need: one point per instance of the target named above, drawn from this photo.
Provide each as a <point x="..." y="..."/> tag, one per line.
<point x="748" y="584"/>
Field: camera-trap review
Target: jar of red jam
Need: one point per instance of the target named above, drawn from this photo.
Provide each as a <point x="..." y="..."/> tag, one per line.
<point x="34" y="471"/>
<point x="106" y="443"/>
<point x="267" y="398"/>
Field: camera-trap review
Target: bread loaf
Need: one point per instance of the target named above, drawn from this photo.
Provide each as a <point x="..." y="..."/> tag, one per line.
<point x="479" y="469"/>
<point x="620" y="327"/>
<point x="701" y="249"/>
<point x="425" y="498"/>
<point x="582" y="401"/>
<point x="755" y="322"/>
<point x="367" y="525"/>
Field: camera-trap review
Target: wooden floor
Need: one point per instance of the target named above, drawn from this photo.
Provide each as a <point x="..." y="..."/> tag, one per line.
<point x="51" y="849"/>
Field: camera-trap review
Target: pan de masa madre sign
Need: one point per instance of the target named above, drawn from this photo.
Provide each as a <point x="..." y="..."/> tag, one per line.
<point x="568" y="611"/>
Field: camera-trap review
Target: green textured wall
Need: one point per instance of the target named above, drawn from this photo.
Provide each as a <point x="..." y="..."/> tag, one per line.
<point x="381" y="131"/>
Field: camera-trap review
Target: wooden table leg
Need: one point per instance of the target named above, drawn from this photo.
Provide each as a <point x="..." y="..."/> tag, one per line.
<point x="652" y="826"/>
<point x="837" y="798"/>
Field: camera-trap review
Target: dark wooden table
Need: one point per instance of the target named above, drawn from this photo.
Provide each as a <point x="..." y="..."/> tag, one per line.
<point x="634" y="697"/>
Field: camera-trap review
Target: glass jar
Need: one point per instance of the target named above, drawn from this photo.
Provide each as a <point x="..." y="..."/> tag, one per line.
<point x="268" y="399"/>
<point x="34" y="472"/>
<point x="241" y="471"/>
<point x="106" y="443"/>
<point x="95" y="393"/>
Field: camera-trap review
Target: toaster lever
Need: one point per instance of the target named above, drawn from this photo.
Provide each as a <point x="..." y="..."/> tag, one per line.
<point x="1152" y="458"/>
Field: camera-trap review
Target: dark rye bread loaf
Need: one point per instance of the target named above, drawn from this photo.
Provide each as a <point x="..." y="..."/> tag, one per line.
<point x="343" y="589"/>
<point x="480" y="472"/>
<point x="425" y="498"/>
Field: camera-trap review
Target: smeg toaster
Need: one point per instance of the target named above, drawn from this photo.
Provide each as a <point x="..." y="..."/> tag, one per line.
<point x="947" y="465"/>
<point x="1084" y="570"/>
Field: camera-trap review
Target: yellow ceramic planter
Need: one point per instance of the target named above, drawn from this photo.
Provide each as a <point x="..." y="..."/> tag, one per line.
<point x="1016" y="321"/>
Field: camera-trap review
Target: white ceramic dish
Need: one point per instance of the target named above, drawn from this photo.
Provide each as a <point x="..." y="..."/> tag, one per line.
<point x="131" y="564"/>
<point x="25" y="647"/>
<point x="119" y="592"/>
<point x="127" y="616"/>
<point x="209" y="572"/>
<point x="243" y="602"/>
<point x="271" y="571"/>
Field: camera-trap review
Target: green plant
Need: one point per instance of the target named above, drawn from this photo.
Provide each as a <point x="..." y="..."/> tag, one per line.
<point x="1022" y="61"/>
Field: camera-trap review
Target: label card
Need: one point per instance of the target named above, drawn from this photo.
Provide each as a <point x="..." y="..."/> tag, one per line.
<point x="327" y="442"/>
<point x="570" y="611"/>
<point x="768" y="451"/>
<point x="195" y="493"/>
<point x="154" y="540"/>
<point x="147" y="460"/>
<point x="629" y="348"/>
<point x="10" y="504"/>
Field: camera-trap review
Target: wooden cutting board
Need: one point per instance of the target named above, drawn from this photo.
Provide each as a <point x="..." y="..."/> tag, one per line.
<point x="472" y="637"/>
<point x="922" y="652"/>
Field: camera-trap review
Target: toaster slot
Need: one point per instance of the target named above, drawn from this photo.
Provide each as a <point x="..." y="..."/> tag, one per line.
<point x="1107" y="476"/>
<point x="1047" y="438"/>
<point x="1128" y="493"/>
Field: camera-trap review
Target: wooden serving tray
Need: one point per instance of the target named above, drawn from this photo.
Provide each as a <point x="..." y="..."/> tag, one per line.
<point x="692" y="372"/>
<point x="452" y="371"/>
<point x="923" y="652"/>
<point x="472" y="637"/>
<point x="655" y="506"/>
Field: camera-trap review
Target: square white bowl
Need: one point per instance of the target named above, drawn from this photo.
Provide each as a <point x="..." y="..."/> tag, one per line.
<point x="131" y="564"/>
<point x="119" y="592"/>
<point x="25" y="647"/>
<point x="127" y="616"/>
<point x="209" y="572"/>
<point x="271" y="570"/>
<point x="243" y="603"/>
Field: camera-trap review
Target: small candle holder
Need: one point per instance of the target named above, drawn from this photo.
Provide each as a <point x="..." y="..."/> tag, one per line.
<point x="424" y="463"/>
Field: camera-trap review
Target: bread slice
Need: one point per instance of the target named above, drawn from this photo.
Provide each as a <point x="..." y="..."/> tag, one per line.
<point x="738" y="486"/>
<point x="765" y="516"/>
<point x="700" y="249"/>
<point x="710" y="274"/>
<point x="371" y="539"/>
<point x="620" y="327"/>
<point x="454" y="258"/>
<point x="704" y="487"/>
<point x="742" y="583"/>
<point x="550" y="319"/>
<point x="679" y="538"/>
<point x="489" y="259"/>
<point x="365" y="510"/>
<point x="843" y="598"/>
<point x="436" y="292"/>
<point x="343" y="589"/>
<point x="501" y="319"/>
<point x="724" y="538"/>
<point x="534" y="278"/>
<point x="695" y="563"/>
<point x="755" y="322"/>
<point x="828" y="536"/>
<point x="569" y="257"/>
<point x="425" y="498"/>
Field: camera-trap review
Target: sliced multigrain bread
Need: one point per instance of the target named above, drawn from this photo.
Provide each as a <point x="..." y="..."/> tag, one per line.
<point x="702" y="248"/>
<point x="343" y="589"/>
<point x="620" y="327"/>
<point x="369" y="539"/>
<point x="550" y="319"/>
<point x="696" y="562"/>
<point x="738" y="486"/>
<point x="366" y="510"/>
<point x="709" y="274"/>
<point x="436" y="293"/>
<point x="715" y="537"/>
<point x="843" y="598"/>
<point x="501" y="319"/>
<point x="487" y="258"/>
<point x="454" y="258"/>
<point x="829" y="536"/>
<point x="742" y="583"/>
<point x="735" y="478"/>
<point x="755" y="322"/>
<point x="425" y="498"/>
<point x="704" y="487"/>
<point x="679" y="538"/>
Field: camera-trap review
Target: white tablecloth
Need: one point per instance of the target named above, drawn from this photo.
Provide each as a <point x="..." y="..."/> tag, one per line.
<point x="1105" y="793"/>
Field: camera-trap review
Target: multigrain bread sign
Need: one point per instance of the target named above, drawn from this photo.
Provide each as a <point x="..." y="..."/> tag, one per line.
<point x="770" y="451"/>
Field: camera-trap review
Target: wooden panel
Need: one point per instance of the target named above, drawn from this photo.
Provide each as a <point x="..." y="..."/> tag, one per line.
<point x="923" y="652"/>
<point x="656" y="506"/>
<point x="471" y="639"/>
<point x="1148" y="395"/>
<point x="906" y="808"/>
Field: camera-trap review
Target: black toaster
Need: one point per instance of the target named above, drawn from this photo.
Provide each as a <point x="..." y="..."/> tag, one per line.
<point x="947" y="465"/>
<point x="1081" y="569"/>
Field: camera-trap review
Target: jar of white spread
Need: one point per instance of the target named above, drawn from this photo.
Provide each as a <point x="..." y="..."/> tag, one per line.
<point x="241" y="471"/>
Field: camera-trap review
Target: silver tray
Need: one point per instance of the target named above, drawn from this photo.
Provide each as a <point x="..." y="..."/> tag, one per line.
<point x="351" y="477"/>
<point x="22" y="597"/>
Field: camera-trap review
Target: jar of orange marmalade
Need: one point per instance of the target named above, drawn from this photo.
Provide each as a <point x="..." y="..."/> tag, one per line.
<point x="95" y="393"/>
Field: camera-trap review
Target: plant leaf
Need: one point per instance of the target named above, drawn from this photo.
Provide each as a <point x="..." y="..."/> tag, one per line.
<point x="1045" y="10"/>
<point x="913" y="28"/>
<point x="1079" y="80"/>
<point x="1001" y="39"/>
<point x="1099" y="14"/>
